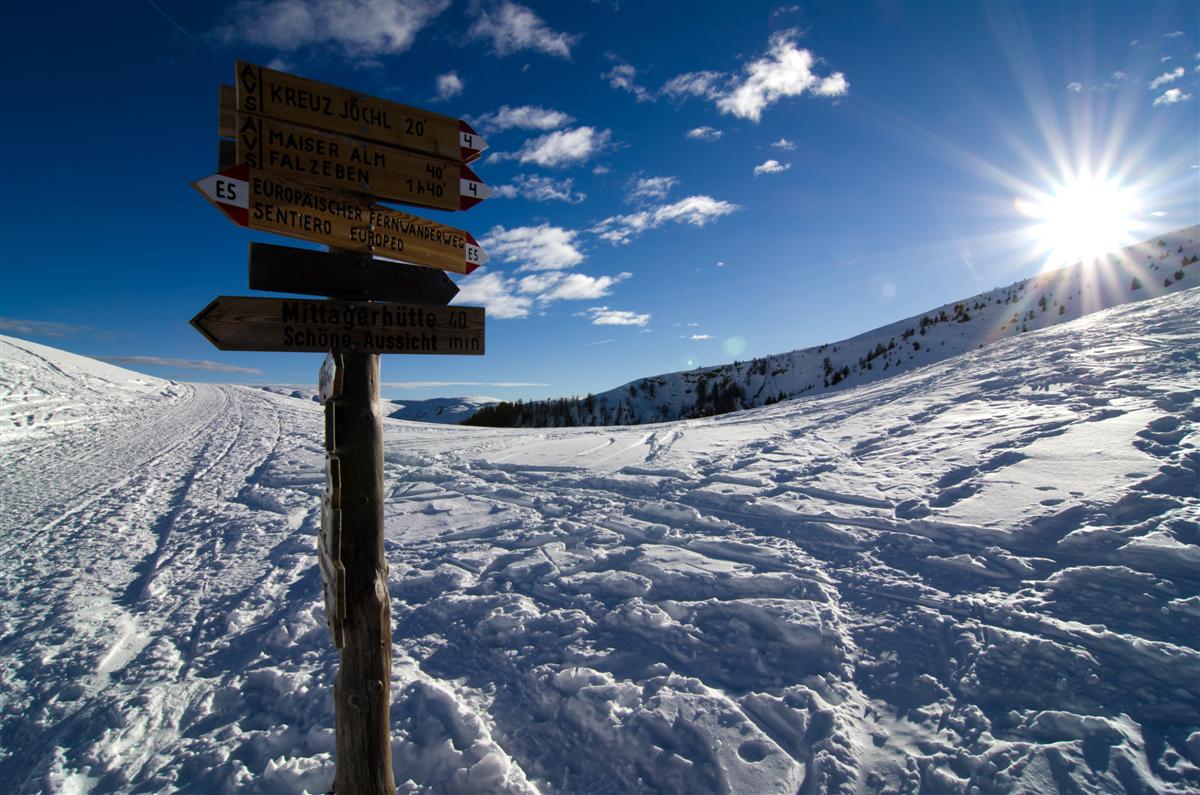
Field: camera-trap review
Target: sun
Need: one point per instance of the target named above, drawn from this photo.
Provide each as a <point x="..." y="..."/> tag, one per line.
<point x="1083" y="218"/>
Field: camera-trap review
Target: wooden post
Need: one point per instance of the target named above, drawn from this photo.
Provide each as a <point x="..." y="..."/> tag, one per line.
<point x="361" y="693"/>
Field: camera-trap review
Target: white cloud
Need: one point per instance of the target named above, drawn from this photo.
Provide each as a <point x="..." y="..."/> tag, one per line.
<point x="1165" y="58"/>
<point x="536" y="248"/>
<point x="356" y="28"/>
<point x="1166" y="77"/>
<point x="560" y="148"/>
<point x="704" y="84"/>
<point x="1119" y="75"/>
<point x="694" y="210"/>
<point x="698" y="337"/>
<point x="1171" y="96"/>
<point x="449" y="85"/>
<point x="515" y="297"/>
<point x="721" y="263"/>
<point x="645" y="189"/>
<point x="599" y="170"/>
<point x="623" y="76"/>
<point x="556" y="286"/>
<point x="39" y="328"/>
<point x="181" y="364"/>
<point x="540" y="189"/>
<point x="513" y="27"/>
<point x="603" y="316"/>
<point x="784" y="144"/>
<point x="704" y="134"/>
<point x="771" y="167"/>
<point x="1173" y="34"/>
<point x="1159" y="213"/>
<point x="495" y="293"/>
<point x="525" y="117"/>
<point x="786" y="71"/>
<point x="1076" y="87"/>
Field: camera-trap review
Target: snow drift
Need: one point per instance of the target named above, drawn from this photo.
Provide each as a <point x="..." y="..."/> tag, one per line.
<point x="976" y="576"/>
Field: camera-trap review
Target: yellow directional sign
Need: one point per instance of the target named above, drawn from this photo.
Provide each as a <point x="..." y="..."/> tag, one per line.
<point x="268" y="203"/>
<point x="313" y="104"/>
<point x="334" y="160"/>
<point x="243" y="323"/>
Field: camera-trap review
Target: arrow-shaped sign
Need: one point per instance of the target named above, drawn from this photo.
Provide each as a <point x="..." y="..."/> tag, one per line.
<point x="268" y="203"/>
<point x="313" y="104"/>
<point x="240" y="323"/>
<point x="336" y="161"/>
<point x="282" y="269"/>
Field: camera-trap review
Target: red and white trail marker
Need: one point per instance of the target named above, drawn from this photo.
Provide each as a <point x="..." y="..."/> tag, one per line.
<point x="471" y="189"/>
<point x="263" y="201"/>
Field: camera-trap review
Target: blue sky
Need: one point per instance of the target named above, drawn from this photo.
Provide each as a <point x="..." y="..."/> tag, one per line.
<point x="679" y="184"/>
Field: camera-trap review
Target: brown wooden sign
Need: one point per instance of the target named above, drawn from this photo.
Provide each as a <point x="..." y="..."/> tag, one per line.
<point x="323" y="158"/>
<point x="313" y="104"/>
<point x="268" y="203"/>
<point x="240" y="323"/>
<point x="282" y="269"/>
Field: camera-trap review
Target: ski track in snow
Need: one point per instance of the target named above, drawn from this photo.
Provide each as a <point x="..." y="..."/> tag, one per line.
<point x="980" y="576"/>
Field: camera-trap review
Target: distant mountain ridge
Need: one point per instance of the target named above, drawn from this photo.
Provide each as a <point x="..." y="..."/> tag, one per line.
<point x="1156" y="267"/>
<point x="445" y="410"/>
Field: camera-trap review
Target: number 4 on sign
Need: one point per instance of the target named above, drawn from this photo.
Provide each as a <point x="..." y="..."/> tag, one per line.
<point x="471" y="189"/>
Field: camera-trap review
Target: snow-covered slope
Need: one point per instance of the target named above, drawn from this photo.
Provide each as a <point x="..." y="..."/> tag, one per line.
<point x="444" y="410"/>
<point x="976" y="576"/>
<point x="1157" y="267"/>
<point x="450" y="410"/>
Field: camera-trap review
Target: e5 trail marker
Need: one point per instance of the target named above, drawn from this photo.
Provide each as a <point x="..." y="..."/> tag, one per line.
<point x="265" y="202"/>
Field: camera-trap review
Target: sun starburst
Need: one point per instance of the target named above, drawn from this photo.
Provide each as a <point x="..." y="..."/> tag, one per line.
<point x="1083" y="217"/>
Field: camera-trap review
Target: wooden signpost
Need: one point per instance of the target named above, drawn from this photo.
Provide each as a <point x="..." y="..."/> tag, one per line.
<point x="269" y="203"/>
<point x="310" y="161"/>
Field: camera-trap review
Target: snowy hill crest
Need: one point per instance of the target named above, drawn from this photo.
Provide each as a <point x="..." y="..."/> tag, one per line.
<point x="1157" y="267"/>
<point x="443" y="410"/>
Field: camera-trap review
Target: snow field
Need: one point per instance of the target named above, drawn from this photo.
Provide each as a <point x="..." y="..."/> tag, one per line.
<point x="979" y="576"/>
